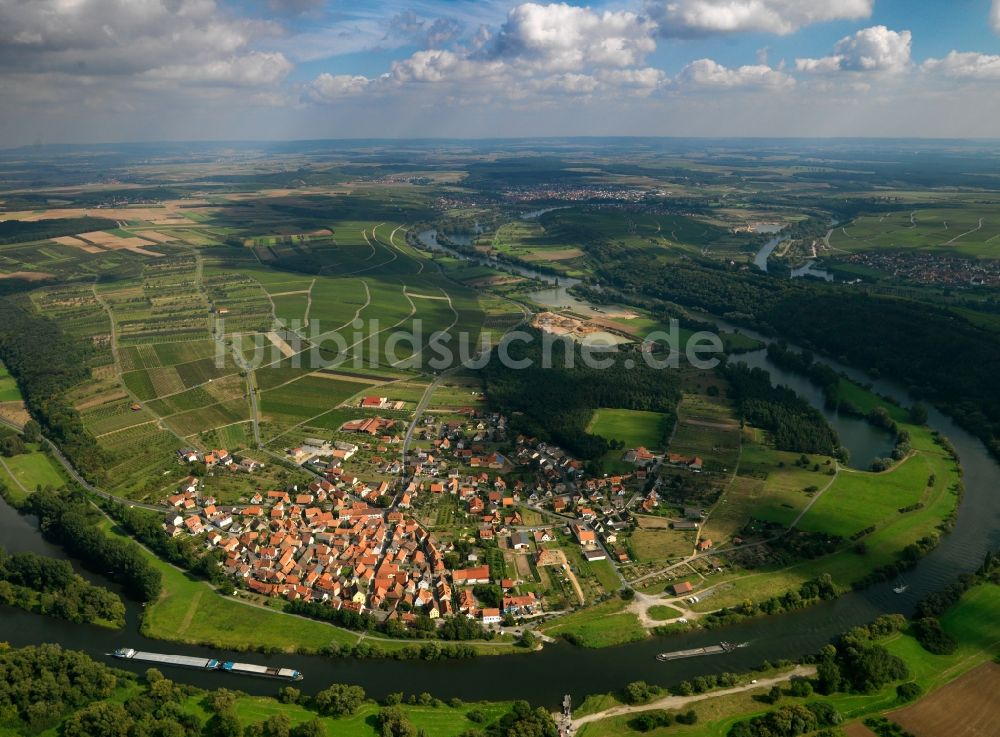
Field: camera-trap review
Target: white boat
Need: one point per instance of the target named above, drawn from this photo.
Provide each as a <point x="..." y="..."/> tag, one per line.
<point x="901" y="588"/>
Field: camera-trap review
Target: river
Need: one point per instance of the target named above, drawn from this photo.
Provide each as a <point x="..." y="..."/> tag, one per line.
<point x="544" y="677"/>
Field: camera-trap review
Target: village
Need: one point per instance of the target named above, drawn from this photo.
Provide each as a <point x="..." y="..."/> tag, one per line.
<point x="457" y="530"/>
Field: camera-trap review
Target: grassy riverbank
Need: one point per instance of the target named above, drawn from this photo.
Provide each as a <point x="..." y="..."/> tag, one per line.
<point x="190" y="611"/>
<point x="972" y="623"/>
<point x="877" y="515"/>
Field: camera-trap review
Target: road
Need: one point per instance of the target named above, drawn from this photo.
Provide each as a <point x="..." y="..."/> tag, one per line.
<point x="680" y="702"/>
<point x="75" y="475"/>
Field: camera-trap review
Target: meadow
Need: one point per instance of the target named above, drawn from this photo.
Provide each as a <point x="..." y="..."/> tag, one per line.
<point x="634" y="428"/>
<point x="971" y="230"/>
<point x="971" y="623"/>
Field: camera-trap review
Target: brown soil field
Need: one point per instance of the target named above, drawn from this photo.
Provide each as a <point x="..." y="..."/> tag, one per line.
<point x="68" y="240"/>
<point x="652" y="523"/>
<point x="493" y="281"/>
<point x="966" y="707"/>
<point x="101" y="399"/>
<point x="523" y="567"/>
<point x="14" y="412"/>
<point x="560" y="254"/>
<point x="26" y="275"/>
<point x="857" y="729"/>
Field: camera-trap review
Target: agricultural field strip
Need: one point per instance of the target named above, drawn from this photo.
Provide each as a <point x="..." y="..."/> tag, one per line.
<point x="364" y="233"/>
<point x="419" y="261"/>
<point x="115" y="352"/>
<point x="345" y="403"/>
<point x="454" y="322"/>
<point x="328" y="333"/>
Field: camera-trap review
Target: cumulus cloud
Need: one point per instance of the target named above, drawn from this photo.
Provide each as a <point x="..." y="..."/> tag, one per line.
<point x="684" y="18"/>
<point x="329" y="87"/>
<point x="561" y="37"/>
<point x="253" y="69"/>
<point x="120" y="37"/>
<point x="967" y="65"/>
<point x="875" y="49"/>
<point x="643" y="81"/>
<point x="431" y="33"/>
<point x="709" y="73"/>
<point x="440" y="65"/>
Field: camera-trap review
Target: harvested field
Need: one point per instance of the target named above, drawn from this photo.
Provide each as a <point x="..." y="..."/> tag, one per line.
<point x="153" y="235"/>
<point x="68" y="240"/>
<point x="26" y="275"/>
<point x="115" y="243"/>
<point x="858" y="729"/>
<point x="14" y="412"/>
<point x="561" y="254"/>
<point x="343" y="377"/>
<point x="101" y="399"/>
<point x="652" y="523"/>
<point x="278" y="342"/>
<point x="966" y="707"/>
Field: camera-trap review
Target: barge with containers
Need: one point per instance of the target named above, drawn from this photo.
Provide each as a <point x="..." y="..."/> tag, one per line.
<point x="722" y="647"/>
<point x="226" y="666"/>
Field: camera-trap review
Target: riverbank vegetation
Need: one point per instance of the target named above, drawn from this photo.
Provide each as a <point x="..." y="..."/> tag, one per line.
<point x="88" y="699"/>
<point x="557" y="403"/>
<point x="67" y="520"/>
<point x="870" y="670"/>
<point x="48" y="586"/>
<point x="46" y="363"/>
<point x="793" y="423"/>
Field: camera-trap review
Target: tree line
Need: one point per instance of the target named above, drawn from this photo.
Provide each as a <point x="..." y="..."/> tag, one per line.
<point x="67" y="520"/>
<point x="794" y="424"/>
<point x="874" y="333"/>
<point x="46" y="363"/>
<point x="556" y="404"/>
<point x="49" y="586"/>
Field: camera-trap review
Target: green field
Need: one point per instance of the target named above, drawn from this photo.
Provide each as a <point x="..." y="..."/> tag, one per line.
<point x="602" y="625"/>
<point x="632" y="427"/>
<point x="8" y="386"/>
<point x="972" y="622"/>
<point x="190" y="611"/>
<point x="968" y="231"/>
<point x="31" y="470"/>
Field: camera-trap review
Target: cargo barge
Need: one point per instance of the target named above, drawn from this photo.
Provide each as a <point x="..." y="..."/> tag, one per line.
<point x="722" y="647"/>
<point x="228" y="666"/>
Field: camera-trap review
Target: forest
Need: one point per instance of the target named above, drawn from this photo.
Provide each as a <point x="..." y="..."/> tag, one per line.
<point x="949" y="361"/>
<point x="67" y="520"/>
<point x="49" y="586"/>
<point x="46" y="363"/>
<point x="16" y="231"/>
<point x="556" y="404"/>
<point x="793" y="423"/>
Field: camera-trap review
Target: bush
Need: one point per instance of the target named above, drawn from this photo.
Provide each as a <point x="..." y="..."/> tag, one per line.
<point x="932" y="637"/>
<point x="339" y="700"/>
<point x="908" y="691"/>
<point x="640" y="692"/>
<point x="688" y="717"/>
<point x="647" y="721"/>
<point x="801" y="687"/>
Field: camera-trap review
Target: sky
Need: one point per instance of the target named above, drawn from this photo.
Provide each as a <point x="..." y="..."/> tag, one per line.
<point x="81" y="71"/>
